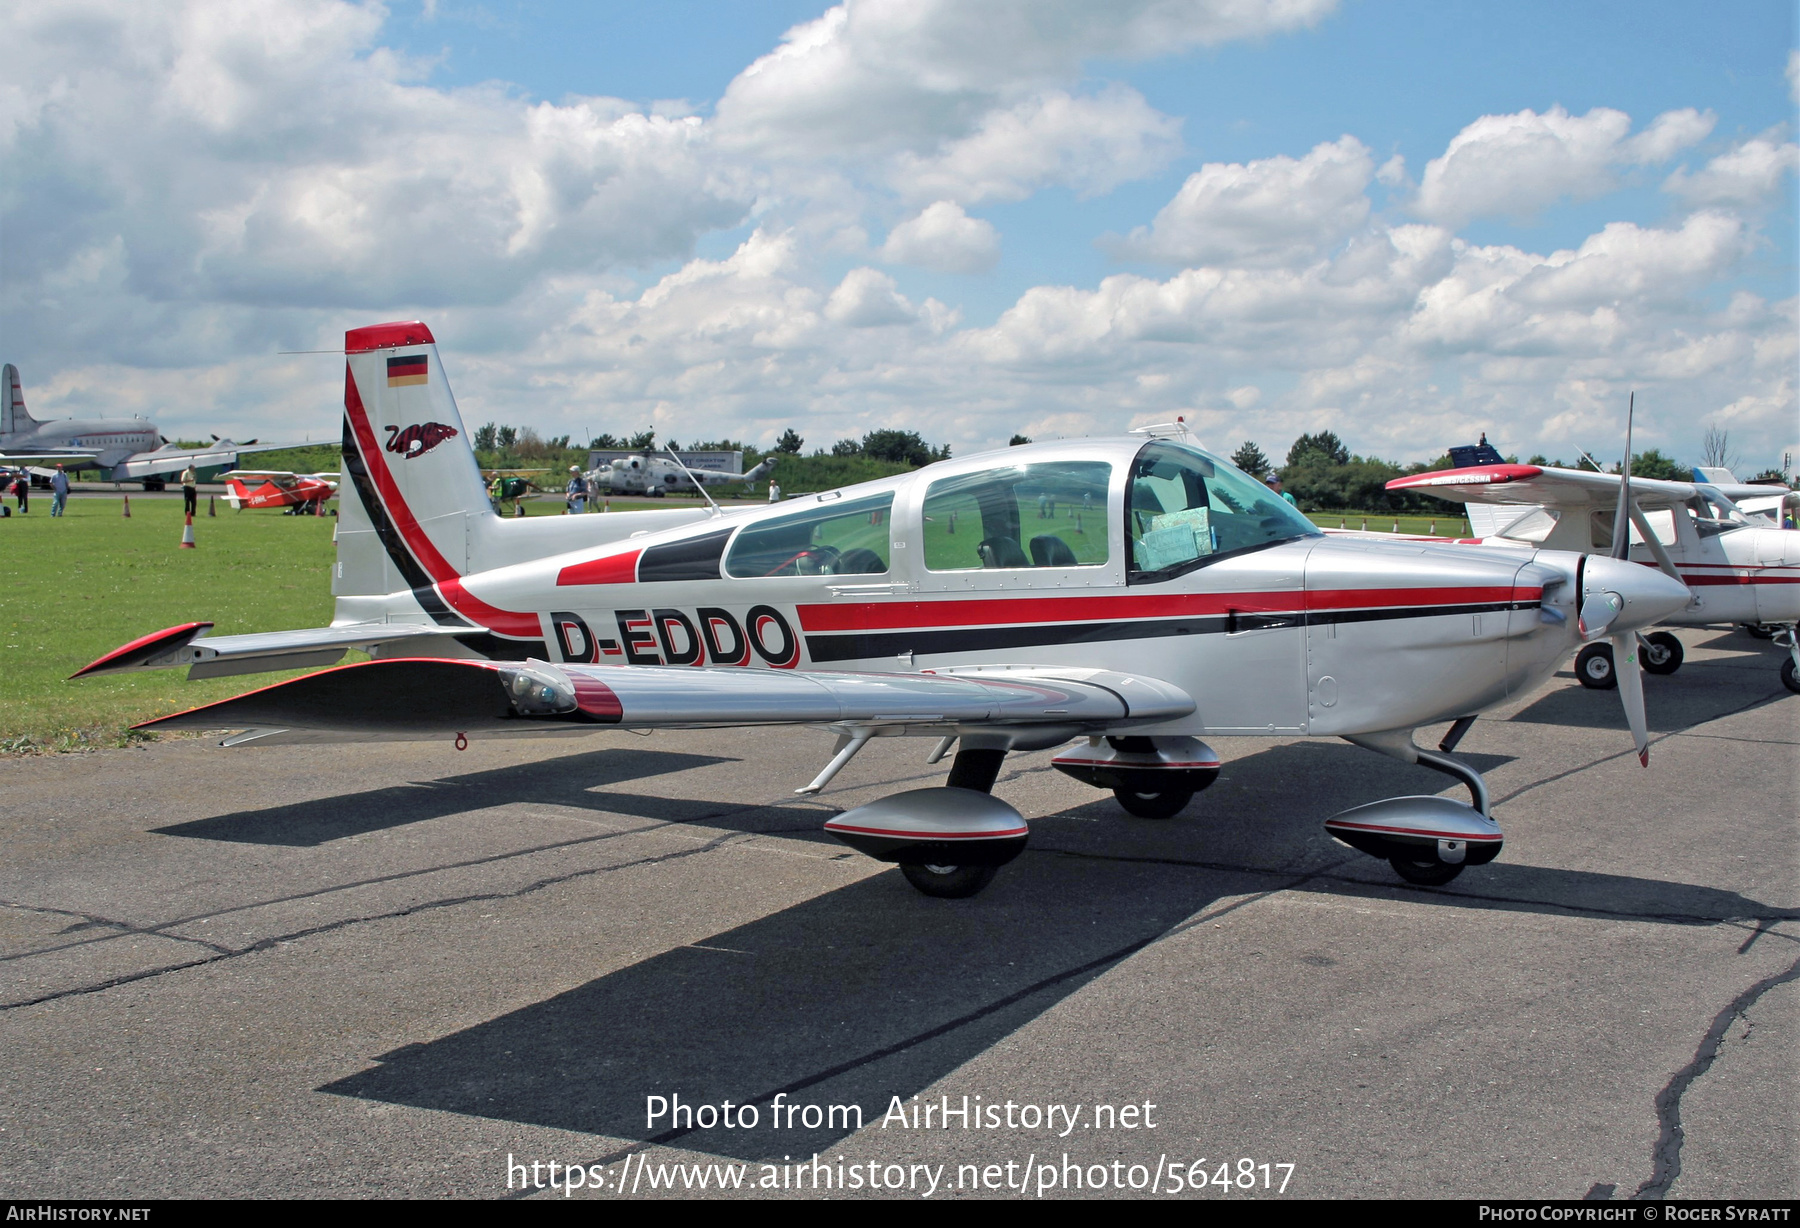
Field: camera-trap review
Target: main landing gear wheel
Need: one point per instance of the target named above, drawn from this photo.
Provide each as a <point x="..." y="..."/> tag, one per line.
<point x="1759" y="632"/>
<point x="1790" y="678"/>
<point x="1432" y="873"/>
<point x="949" y="882"/>
<point x="1594" y="667"/>
<point x="1661" y="653"/>
<point x="1164" y="805"/>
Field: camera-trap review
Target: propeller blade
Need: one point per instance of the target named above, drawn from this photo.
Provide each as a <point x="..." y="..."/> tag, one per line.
<point x="1621" y="547"/>
<point x="1631" y="691"/>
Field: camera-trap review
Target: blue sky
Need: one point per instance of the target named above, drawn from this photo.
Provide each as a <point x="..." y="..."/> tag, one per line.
<point x="966" y="218"/>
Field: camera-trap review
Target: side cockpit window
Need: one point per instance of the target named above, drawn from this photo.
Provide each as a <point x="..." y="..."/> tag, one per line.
<point x="833" y="537"/>
<point x="1184" y="508"/>
<point x="1049" y="514"/>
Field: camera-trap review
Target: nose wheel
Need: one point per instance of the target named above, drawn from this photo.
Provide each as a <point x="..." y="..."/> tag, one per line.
<point x="1594" y="668"/>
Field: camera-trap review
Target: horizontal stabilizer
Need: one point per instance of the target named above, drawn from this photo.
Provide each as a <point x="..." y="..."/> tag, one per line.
<point x="221" y="655"/>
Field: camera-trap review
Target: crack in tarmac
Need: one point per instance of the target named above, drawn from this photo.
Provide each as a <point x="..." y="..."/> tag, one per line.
<point x="1666" y="1156"/>
<point x="265" y="944"/>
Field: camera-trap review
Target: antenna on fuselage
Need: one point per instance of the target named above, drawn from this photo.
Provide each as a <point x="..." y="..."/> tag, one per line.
<point x="698" y="484"/>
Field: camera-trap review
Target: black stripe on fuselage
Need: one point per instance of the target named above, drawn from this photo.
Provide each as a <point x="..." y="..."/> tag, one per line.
<point x="867" y="645"/>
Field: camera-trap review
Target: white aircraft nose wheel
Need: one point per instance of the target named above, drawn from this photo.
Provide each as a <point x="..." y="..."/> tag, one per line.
<point x="1594" y="667"/>
<point x="1164" y="805"/>
<point x="1431" y="873"/>
<point x="949" y="882"/>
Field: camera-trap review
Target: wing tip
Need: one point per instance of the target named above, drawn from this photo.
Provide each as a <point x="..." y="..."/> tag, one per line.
<point x="144" y="647"/>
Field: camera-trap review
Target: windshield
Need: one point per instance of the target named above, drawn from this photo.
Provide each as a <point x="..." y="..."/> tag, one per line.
<point x="1185" y="509"/>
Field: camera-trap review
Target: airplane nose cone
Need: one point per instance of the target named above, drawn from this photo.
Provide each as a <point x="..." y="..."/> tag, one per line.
<point x="1647" y="594"/>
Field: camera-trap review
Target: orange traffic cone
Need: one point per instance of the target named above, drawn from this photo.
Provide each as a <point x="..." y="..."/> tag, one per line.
<point x="1340" y="522"/>
<point x="187" y="534"/>
<point x="1365" y="527"/>
<point x="1396" y="524"/>
<point x="1432" y="532"/>
<point x="210" y="509"/>
<point x="127" y="512"/>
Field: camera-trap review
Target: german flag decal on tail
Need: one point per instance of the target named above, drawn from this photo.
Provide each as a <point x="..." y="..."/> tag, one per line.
<point x="407" y="369"/>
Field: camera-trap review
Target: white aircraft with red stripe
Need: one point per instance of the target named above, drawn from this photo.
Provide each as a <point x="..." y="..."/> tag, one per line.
<point x="1125" y="598"/>
<point x="1741" y="569"/>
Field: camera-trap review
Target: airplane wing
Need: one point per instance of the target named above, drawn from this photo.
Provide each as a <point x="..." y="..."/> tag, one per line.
<point x="47" y="457"/>
<point x="224" y="655"/>
<point x="172" y="459"/>
<point x="1559" y="488"/>
<point x="424" y="698"/>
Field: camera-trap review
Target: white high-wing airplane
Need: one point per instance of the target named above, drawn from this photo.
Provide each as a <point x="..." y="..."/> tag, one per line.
<point x="1131" y="596"/>
<point x="653" y="475"/>
<point x="123" y="449"/>
<point x="1740" y="569"/>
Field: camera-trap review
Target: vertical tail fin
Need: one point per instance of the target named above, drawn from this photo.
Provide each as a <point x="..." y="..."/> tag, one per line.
<point x="13" y="415"/>
<point x="410" y="479"/>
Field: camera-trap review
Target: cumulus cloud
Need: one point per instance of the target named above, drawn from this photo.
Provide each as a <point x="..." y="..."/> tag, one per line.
<point x="867" y="298"/>
<point x="1516" y="164"/>
<point x="1090" y="144"/>
<point x="1748" y="174"/>
<point x="269" y="153"/>
<point x="906" y="74"/>
<point x="1273" y="211"/>
<point x="945" y="238"/>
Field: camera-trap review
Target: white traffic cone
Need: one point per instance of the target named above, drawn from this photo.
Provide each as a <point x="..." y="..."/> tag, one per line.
<point x="187" y="534"/>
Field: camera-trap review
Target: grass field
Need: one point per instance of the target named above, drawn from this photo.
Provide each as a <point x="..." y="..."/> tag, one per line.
<point x="79" y="586"/>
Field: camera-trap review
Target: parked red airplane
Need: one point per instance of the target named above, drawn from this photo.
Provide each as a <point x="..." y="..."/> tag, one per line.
<point x="278" y="488"/>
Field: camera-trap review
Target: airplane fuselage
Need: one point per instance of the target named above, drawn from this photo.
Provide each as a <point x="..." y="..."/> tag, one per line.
<point x="1306" y="635"/>
<point x="111" y="439"/>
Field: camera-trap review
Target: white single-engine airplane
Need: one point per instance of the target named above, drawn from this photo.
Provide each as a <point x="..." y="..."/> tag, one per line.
<point x="1131" y="596"/>
<point x="1740" y="569"/>
<point x="122" y="449"/>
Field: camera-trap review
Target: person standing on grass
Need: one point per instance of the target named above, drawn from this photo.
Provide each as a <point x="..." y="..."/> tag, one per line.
<point x="577" y="492"/>
<point x="190" y="498"/>
<point x="59" y="491"/>
<point x="22" y="491"/>
<point x="1274" y="481"/>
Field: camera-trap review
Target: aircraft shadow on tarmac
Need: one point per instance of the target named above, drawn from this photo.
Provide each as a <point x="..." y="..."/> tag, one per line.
<point x="871" y="991"/>
<point x="562" y="782"/>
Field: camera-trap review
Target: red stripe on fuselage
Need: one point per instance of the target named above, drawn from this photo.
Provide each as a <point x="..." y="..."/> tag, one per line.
<point x="443" y="575"/>
<point x="971" y="612"/>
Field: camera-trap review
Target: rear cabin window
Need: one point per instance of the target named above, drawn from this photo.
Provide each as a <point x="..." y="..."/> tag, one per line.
<point x="835" y="537"/>
<point x="1049" y="514"/>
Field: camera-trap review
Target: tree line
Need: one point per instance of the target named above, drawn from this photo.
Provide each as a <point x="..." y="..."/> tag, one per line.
<point x="1323" y="475"/>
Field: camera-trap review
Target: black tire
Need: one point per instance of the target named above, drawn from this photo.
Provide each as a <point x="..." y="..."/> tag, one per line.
<point x="1164" y="805"/>
<point x="1790" y="678"/>
<point x="1661" y="653"/>
<point x="1759" y="632"/>
<point x="1594" y="667"/>
<point x="1431" y="873"/>
<point x="949" y="882"/>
